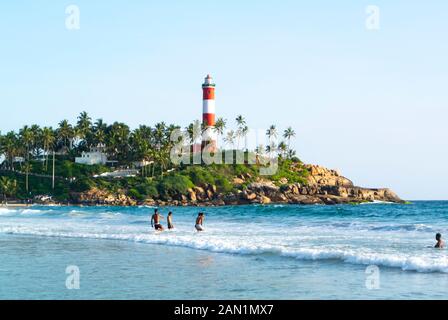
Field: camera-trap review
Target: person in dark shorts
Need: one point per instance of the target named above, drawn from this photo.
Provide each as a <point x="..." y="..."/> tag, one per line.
<point x="169" y="221"/>
<point x="440" y="243"/>
<point x="155" y="220"/>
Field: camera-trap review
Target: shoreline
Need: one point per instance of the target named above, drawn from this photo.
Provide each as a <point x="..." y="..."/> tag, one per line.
<point x="61" y="205"/>
<point x="15" y="205"/>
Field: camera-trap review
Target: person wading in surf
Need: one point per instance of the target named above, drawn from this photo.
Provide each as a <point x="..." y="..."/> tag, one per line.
<point x="169" y="221"/>
<point x="199" y="222"/>
<point x="155" y="220"/>
<point x="440" y="243"/>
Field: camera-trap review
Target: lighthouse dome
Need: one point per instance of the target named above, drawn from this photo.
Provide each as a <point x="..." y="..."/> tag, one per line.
<point x="208" y="81"/>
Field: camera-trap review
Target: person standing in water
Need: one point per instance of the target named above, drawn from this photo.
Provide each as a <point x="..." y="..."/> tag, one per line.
<point x="169" y="221"/>
<point x="155" y="220"/>
<point x="440" y="243"/>
<point x="199" y="222"/>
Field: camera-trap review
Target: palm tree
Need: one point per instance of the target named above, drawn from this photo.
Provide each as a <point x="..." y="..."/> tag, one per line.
<point x="162" y="145"/>
<point x="244" y="132"/>
<point x="230" y="138"/>
<point x="35" y="144"/>
<point x="272" y="132"/>
<point x="83" y="126"/>
<point x="140" y="144"/>
<point x="117" y="140"/>
<point x="271" y="148"/>
<point x="291" y="153"/>
<point x="8" y="187"/>
<point x="27" y="167"/>
<point x="27" y="140"/>
<point x="289" y="134"/>
<point x="48" y="138"/>
<point x="163" y="158"/>
<point x="241" y="123"/>
<point x="65" y="134"/>
<point x="99" y="132"/>
<point x="194" y="131"/>
<point x="10" y="147"/>
<point x="282" y="148"/>
<point x="220" y="126"/>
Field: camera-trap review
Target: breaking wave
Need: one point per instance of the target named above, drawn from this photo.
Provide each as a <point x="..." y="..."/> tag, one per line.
<point x="438" y="262"/>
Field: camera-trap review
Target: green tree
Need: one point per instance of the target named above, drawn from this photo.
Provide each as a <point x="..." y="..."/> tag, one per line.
<point x="272" y="133"/>
<point x="27" y="167"/>
<point x="65" y="135"/>
<point x="271" y="148"/>
<point x="230" y="139"/>
<point x="99" y="132"/>
<point x="288" y="135"/>
<point x="117" y="141"/>
<point x="282" y="149"/>
<point x="220" y="126"/>
<point x="241" y="129"/>
<point x="36" y="147"/>
<point x="27" y="140"/>
<point x="194" y="131"/>
<point x="8" y="187"/>
<point x="48" y="139"/>
<point x="11" y="148"/>
<point x="83" y="127"/>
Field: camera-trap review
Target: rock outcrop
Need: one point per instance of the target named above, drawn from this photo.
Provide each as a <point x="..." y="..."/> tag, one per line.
<point x="101" y="197"/>
<point x="323" y="176"/>
<point x="323" y="186"/>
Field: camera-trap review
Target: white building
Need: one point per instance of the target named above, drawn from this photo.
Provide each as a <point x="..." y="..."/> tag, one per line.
<point x="94" y="156"/>
<point x="18" y="159"/>
<point x="127" y="173"/>
<point x="142" y="163"/>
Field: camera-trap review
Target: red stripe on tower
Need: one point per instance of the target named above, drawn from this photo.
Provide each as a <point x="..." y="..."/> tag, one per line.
<point x="208" y="119"/>
<point x="208" y="111"/>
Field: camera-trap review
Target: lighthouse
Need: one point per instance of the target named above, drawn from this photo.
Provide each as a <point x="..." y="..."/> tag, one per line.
<point x="209" y="138"/>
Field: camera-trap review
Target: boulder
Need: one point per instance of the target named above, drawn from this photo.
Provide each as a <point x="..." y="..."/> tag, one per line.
<point x="199" y="190"/>
<point x="192" y="196"/>
<point x="250" y="196"/>
<point x="265" y="200"/>
<point x="209" y="194"/>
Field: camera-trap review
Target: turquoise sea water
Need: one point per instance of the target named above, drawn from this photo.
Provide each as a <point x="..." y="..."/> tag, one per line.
<point x="247" y="252"/>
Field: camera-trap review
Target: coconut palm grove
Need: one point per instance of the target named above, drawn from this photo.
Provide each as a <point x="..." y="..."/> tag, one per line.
<point x="52" y="164"/>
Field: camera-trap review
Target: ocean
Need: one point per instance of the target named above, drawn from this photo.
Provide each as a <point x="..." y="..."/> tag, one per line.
<point x="367" y="251"/>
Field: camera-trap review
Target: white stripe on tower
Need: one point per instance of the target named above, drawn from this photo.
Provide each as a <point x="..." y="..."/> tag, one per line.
<point x="209" y="106"/>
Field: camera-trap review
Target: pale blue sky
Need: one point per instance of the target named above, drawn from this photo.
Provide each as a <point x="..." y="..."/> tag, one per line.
<point x="370" y="103"/>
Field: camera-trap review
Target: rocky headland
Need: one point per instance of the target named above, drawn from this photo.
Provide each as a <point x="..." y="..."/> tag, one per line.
<point x="323" y="186"/>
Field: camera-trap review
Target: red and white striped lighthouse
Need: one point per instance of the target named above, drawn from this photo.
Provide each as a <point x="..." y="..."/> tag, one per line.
<point x="208" y="113"/>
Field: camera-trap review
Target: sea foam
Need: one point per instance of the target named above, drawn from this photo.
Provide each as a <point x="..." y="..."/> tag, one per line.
<point x="240" y="246"/>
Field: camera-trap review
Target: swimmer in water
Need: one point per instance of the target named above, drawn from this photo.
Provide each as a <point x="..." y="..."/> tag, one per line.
<point x="155" y="220"/>
<point x="169" y="221"/>
<point x="440" y="243"/>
